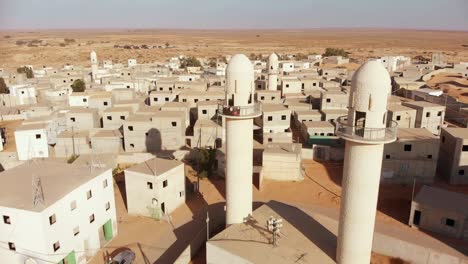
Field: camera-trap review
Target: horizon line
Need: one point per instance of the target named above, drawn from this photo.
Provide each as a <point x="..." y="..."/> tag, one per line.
<point x="225" y="29"/>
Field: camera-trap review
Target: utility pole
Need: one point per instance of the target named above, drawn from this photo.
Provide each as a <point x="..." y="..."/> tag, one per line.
<point x="207" y="225"/>
<point x="73" y="141"/>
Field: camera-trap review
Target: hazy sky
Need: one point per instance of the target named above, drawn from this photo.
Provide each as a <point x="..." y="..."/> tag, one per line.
<point x="233" y="14"/>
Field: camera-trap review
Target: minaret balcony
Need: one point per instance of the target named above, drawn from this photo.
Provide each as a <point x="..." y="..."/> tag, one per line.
<point x="240" y="112"/>
<point x="365" y="135"/>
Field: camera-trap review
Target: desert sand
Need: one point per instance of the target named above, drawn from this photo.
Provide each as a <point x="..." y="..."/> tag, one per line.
<point x="361" y="43"/>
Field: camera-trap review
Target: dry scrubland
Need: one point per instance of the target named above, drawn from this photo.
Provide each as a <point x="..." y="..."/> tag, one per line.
<point x="209" y="43"/>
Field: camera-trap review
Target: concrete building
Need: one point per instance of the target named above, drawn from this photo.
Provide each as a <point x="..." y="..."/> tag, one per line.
<point x="73" y="216"/>
<point x="333" y="114"/>
<point x="303" y="116"/>
<point x="72" y="143"/>
<point x="268" y="96"/>
<point x="82" y="119"/>
<point x="334" y="100"/>
<point x="290" y="85"/>
<point x="365" y="131"/>
<point x="206" y="110"/>
<point x="282" y="162"/>
<point x="155" y="187"/>
<point x="276" y="118"/>
<point x="404" y="116"/>
<point x="317" y="132"/>
<point x="160" y="98"/>
<point x="413" y="156"/>
<point x="207" y="133"/>
<point x="428" y="115"/>
<point x="453" y="155"/>
<point x="239" y="109"/>
<point x="114" y="117"/>
<point x="106" y="141"/>
<point x="441" y="211"/>
<point x="31" y="141"/>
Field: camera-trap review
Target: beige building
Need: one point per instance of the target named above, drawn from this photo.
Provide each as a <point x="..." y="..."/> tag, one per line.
<point x="428" y="115"/>
<point x="453" y="155"/>
<point x="290" y="85"/>
<point x="282" y="162"/>
<point x="193" y="97"/>
<point x="72" y="143"/>
<point x="332" y="114"/>
<point x="82" y="118"/>
<point x="164" y="130"/>
<point x="114" y="117"/>
<point x="161" y="97"/>
<point x="207" y="133"/>
<point x="441" y="211"/>
<point x="206" y="110"/>
<point x="106" y="142"/>
<point x="276" y="118"/>
<point x="268" y="96"/>
<point x="310" y="129"/>
<point x="413" y="156"/>
<point x="309" y="115"/>
<point x="404" y="116"/>
<point x="155" y="187"/>
<point x="334" y="100"/>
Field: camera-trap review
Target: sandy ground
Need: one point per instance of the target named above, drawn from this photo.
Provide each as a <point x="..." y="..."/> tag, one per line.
<point x="150" y="238"/>
<point x="207" y="43"/>
<point x="452" y="84"/>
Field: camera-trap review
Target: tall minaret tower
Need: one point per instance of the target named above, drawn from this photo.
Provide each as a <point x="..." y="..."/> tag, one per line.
<point x="273" y="72"/>
<point x="366" y="131"/>
<point x="239" y="109"/>
<point x="94" y="65"/>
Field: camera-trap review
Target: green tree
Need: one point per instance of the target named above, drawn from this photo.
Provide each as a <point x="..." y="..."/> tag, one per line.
<point x="3" y="87"/>
<point x="212" y="62"/>
<point x="253" y="56"/>
<point x="301" y="56"/>
<point x="167" y="45"/>
<point x="78" y="86"/>
<point x="27" y="70"/>
<point x="190" y="62"/>
<point x="207" y="161"/>
<point x="335" y="52"/>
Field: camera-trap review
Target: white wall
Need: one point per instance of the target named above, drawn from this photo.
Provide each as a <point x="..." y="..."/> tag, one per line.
<point x="28" y="145"/>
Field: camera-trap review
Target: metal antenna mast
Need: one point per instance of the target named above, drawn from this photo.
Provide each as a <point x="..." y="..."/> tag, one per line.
<point x="38" y="194"/>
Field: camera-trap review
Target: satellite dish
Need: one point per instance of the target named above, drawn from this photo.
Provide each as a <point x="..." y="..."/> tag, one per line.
<point x="30" y="261"/>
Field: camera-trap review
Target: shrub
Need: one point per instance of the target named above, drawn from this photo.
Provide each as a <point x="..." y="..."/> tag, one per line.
<point x="335" y="52"/>
<point x="27" y="70"/>
<point x="78" y="86"/>
<point x="3" y="87"/>
<point x="190" y="62"/>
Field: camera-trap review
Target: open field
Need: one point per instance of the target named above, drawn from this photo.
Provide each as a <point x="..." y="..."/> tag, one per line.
<point x="361" y="43"/>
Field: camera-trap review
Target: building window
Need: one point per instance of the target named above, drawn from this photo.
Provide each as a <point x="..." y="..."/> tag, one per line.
<point x="449" y="222"/>
<point x="105" y="184"/>
<point x="262" y="97"/>
<point x="270" y="118"/>
<point x="132" y="145"/>
<point x="166" y="99"/>
<point x="174" y="124"/>
<point x="195" y="100"/>
<point x="443" y="139"/>
<point x="461" y="172"/>
<point x="398" y="118"/>
<point x="287" y="85"/>
<point x="328" y="100"/>
<point x="283" y="117"/>
<point x="85" y="100"/>
<point x="107" y="206"/>
<point x="273" y="98"/>
<point x="204" y="112"/>
<point x="428" y="114"/>
<point x="52" y="219"/>
<point x="465" y="148"/>
<point x="149" y="185"/>
<point x="429" y="156"/>
<point x="387" y="156"/>
<point x="76" y="230"/>
<point x="122" y="117"/>
<point x="56" y="246"/>
<point x="89" y="194"/>
<point x="407" y="147"/>
<point x="72" y="119"/>
<point x="164" y="183"/>
<point x="72" y="205"/>
<point x="155" y="99"/>
<point x="130" y="128"/>
<point x="439" y="113"/>
<point x="11" y="246"/>
<point x="184" y="100"/>
<point x="109" y="117"/>
<point x="6" y="220"/>
<point x="38" y="136"/>
<point x="270" y="140"/>
<point x="91" y="218"/>
<point x="105" y="103"/>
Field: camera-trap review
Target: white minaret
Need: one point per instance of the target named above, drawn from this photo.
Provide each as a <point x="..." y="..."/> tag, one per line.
<point x="94" y="65"/>
<point x="365" y="131"/>
<point x="239" y="109"/>
<point x="273" y="72"/>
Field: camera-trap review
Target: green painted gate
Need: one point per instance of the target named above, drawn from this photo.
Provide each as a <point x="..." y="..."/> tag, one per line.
<point x="108" y="230"/>
<point x="69" y="259"/>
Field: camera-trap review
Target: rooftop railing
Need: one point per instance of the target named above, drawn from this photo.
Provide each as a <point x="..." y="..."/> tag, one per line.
<point x="366" y="134"/>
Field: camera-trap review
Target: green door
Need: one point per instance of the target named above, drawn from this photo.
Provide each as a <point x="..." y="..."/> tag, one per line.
<point x="69" y="259"/>
<point x="107" y="230"/>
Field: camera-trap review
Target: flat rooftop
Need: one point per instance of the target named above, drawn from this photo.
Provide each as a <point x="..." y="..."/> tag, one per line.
<point x="274" y="107"/>
<point x="318" y="124"/>
<point x="155" y="167"/>
<point x="458" y="132"/>
<point x="57" y="179"/>
<point x="443" y="199"/>
<point x="404" y="134"/>
<point x="422" y="104"/>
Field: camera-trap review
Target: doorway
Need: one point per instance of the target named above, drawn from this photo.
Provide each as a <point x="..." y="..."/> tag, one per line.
<point x="416" y="217"/>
